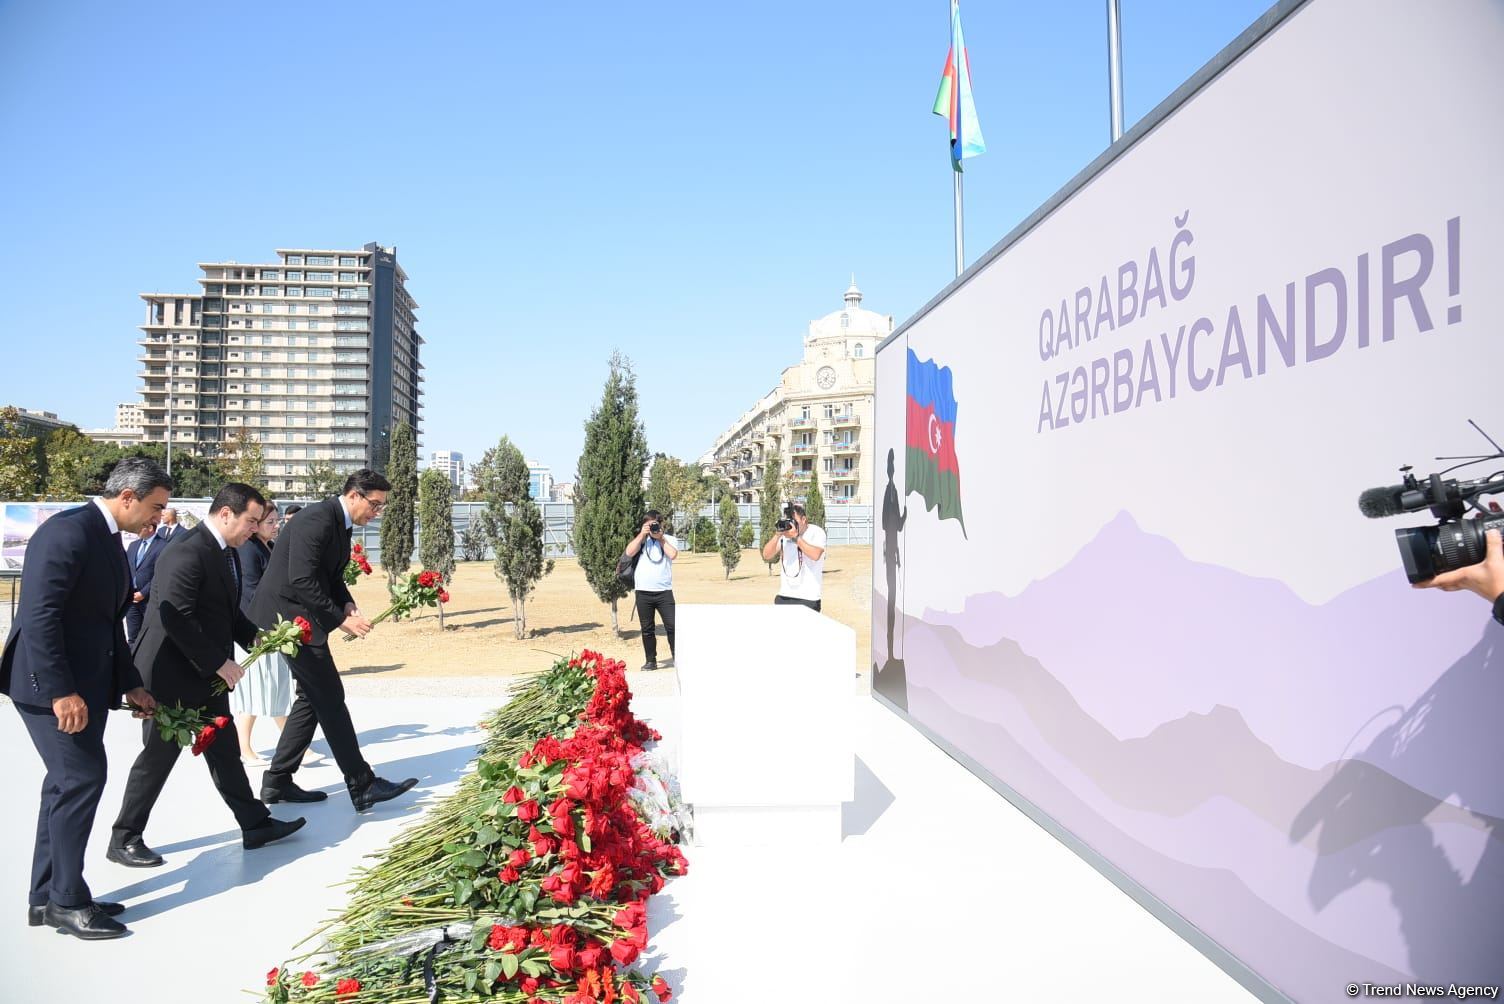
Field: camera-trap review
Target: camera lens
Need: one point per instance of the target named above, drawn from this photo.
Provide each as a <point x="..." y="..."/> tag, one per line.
<point x="655" y="527"/>
<point x="1427" y="551"/>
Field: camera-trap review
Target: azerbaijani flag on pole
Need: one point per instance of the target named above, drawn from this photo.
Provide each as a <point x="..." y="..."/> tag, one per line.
<point x="954" y="100"/>
<point x="931" y="468"/>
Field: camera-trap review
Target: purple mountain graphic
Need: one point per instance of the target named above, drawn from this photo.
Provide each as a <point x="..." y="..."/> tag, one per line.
<point x="1142" y="635"/>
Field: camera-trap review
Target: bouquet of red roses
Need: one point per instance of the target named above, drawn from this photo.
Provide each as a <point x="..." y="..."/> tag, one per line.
<point x="184" y="726"/>
<point x="285" y="637"/>
<point x="357" y="566"/>
<point x="419" y="589"/>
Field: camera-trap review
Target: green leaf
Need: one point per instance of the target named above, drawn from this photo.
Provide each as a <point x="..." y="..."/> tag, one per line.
<point x="493" y="970"/>
<point x="585" y="842"/>
<point x="533" y="967"/>
<point x="185" y="738"/>
<point x="479" y="937"/>
<point x="529" y="897"/>
<point x="473" y="858"/>
<point x="488" y="835"/>
<point x="509" y="965"/>
<point x="470" y="977"/>
<point x="563" y="719"/>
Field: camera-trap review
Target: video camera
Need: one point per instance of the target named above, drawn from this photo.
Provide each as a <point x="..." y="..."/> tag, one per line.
<point x="1454" y="542"/>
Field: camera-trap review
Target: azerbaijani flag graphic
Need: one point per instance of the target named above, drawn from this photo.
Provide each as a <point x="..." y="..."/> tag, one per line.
<point x="931" y="468"/>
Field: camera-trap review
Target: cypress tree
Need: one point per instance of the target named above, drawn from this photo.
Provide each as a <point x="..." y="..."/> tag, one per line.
<point x="731" y="544"/>
<point x="772" y="504"/>
<point x="515" y="526"/>
<point x="436" y="526"/>
<point x="814" y="502"/>
<point x="402" y="501"/>
<point x="608" y="485"/>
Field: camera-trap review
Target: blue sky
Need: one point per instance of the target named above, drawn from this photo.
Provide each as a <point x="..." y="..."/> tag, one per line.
<point x="689" y="185"/>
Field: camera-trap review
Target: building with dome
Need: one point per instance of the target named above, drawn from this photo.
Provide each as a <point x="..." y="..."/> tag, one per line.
<point x="817" y="420"/>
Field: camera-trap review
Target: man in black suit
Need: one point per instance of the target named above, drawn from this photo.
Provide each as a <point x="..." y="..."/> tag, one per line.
<point x="305" y="578"/>
<point x="169" y="528"/>
<point x="142" y="557"/>
<point x="187" y="642"/>
<point x="65" y="665"/>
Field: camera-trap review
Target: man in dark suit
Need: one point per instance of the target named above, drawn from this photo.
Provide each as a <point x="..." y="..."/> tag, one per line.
<point x="187" y="642"/>
<point x="169" y="528"/>
<point x="65" y="665"/>
<point x="305" y="578"/>
<point x="142" y="557"/>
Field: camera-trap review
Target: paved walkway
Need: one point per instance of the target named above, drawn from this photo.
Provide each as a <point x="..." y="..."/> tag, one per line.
<point x="938" y="890"/>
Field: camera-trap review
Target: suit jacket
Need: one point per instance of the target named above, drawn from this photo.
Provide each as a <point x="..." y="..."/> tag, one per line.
<point x="141" y="578"/>
<point x="68" y="637"/>
<point x="192" y="621"/>
<point x="254" y="555"/>
<point x="306" y="574"/>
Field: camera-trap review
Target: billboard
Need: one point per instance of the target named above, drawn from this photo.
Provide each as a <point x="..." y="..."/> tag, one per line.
<point x="23" y="518"/>
<point x="1119" y="566"/>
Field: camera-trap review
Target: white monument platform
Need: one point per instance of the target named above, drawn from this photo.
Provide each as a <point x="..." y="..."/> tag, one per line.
<point x="767" y="744"/>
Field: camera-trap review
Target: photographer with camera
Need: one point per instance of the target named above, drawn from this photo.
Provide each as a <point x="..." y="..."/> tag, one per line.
<point x="653" y="552"/>
<point x="1486" y="578"/>
<point x="803" y="557"/>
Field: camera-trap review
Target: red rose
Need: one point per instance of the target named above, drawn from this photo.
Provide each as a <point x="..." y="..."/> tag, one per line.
<point x="589" y="957"/>
<point x="222" y="722"/>
<point x="561" y="957"/>
<point x="529" y="984"/>
<point x="519" y="858"/>
<point x="346" y="986"/>
<point x="543" y="846"/>
<point x="310" y="978"/>
<point x="528" y="811"/>
<point x="305" y="630"/>
<point x="509" y="875"/>
<point x="443" y="596"/>
<point x="426" y="580"/>
<point x="624" y="952"/>
<point x="356" y="548"/>
<point x="661" y="989"/>
<point x="272" y="976"/>
<point x="629" y="993"/>
<point x="513" y="795"/>
<point x="204" y="739"/>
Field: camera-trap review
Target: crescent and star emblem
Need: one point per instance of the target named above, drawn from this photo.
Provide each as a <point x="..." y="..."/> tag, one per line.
<point x="934" y="434"/>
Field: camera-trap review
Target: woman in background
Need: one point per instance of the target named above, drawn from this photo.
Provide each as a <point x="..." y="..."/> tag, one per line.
<point x="266" y="689"/>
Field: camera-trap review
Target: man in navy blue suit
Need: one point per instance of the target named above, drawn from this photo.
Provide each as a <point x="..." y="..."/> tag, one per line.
<point x="142" y="556"/>
<point x="64" y="666"/>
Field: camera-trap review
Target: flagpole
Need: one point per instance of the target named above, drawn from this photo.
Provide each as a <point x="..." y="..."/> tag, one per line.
<point x="1115" y="69"/>
<point x="960" y="240"/>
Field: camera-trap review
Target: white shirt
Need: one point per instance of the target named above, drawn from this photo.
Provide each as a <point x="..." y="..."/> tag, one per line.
<point x="655" y="569"/>
<point x="798" y="577"/>
<point x="109" y="517"/>
<point x="217" y="535"/>
<point x="349" y="523"/>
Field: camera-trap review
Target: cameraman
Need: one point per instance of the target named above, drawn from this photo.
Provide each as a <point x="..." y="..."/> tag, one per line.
<point x="653" y="578"/>
<point x="1485" y="578"/>
<point x="803" y="558"/>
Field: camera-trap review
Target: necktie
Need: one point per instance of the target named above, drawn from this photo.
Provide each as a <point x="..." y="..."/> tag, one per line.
<point x="141" y="551"/>
<point x="234" y="572"/>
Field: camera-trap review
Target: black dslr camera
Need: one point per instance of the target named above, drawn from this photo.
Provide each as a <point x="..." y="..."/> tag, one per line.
<point x="787" y="523"/>
<point x="654" y="527"/>
<point x="1454" y="542"/>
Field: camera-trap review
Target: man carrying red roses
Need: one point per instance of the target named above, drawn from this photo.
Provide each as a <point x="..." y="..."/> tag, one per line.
<point x="187" y="645"/>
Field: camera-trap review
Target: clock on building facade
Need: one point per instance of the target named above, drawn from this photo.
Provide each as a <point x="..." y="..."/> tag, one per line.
<point x="825" y="377"/>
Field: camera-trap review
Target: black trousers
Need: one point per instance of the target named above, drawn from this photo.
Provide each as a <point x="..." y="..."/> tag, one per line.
<point x="75" y="779"/>
<point x="155" y="762"/>
<point x="320" y="704"/>
<point x="662" y="603"/>
<point x="783" y="601"/>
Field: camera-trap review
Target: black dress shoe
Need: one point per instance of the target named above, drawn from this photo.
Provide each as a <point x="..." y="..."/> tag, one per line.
<point x="88" y="922"/>
<point x="289" y="792"/>
<point x="666" y="664"/>
<point x="378" y="789"/>
<point x="133" y="854"/>
<point x="272" y="829"/>
<point x="649" y="666"/>
<point x="34" y="913"/>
